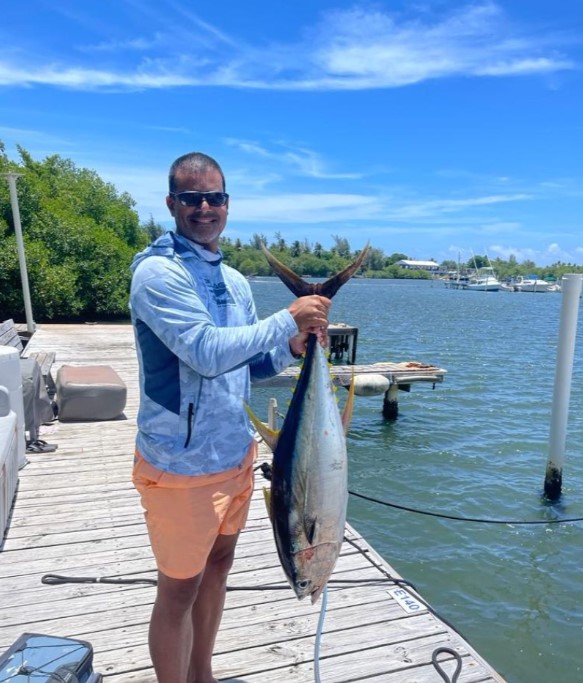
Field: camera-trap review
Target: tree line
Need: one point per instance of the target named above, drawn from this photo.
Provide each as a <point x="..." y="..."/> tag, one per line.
<point x="81" y="234"/>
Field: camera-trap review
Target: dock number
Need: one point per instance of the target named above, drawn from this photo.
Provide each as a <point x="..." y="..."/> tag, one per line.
<point x="407" y="601"/>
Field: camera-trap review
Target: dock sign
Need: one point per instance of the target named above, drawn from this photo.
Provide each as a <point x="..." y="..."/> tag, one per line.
<point x="408" y="603"/>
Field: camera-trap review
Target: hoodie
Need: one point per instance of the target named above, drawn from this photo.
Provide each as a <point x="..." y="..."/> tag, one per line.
<point x="199" y="344"/>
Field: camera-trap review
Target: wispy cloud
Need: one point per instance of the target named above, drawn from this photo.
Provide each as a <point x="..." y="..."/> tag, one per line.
<point x="360" y="48"/>
<point x="332" y="207"/>
<point x="138" y="44"/>
<point x="302" y="160"/>
<point x="12" y="135"/>
<point x="551" y="253"/>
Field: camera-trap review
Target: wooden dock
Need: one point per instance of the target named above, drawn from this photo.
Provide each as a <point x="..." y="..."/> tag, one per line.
<point x="77" y="514"/>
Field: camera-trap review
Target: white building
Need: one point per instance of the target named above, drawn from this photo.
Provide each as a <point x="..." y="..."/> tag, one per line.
<point x="418" y="265"/>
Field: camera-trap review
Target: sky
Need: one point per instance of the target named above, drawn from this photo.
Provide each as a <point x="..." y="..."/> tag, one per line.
<point x="435" y="128"/>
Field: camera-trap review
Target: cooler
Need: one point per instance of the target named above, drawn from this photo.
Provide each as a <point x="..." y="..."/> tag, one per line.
<point x="48" y="659"/>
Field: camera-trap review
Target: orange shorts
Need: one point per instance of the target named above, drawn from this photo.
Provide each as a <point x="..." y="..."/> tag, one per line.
<point x="184" y="515"/>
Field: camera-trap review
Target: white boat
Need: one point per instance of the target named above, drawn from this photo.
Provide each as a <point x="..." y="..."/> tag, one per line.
<point x="531" y="283"/>
<point x="485" y="280"/>
<point x="456" y="282"/>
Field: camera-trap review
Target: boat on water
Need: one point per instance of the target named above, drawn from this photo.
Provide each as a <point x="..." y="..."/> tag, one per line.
<point x="531" y="283"/>
<point x="485" y="280"/>
<point x="456" y="281"/>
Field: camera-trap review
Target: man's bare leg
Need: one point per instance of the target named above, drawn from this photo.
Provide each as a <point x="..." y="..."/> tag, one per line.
<point x="208" y="608"/>
<point x="170" y="636"/>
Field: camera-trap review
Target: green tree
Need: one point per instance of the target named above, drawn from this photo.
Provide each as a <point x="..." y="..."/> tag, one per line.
<point x="153" y="229"/>
<point x="80" y="236"/>
<point x="341" y="246"/>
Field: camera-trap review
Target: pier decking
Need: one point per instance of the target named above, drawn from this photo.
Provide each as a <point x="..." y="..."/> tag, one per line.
<point x="77" y="514"/>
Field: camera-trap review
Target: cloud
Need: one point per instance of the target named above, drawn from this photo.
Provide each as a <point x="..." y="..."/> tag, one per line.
<point x="304" y="161"/>
<point x="12" y="135"/>
<point x="387" y="209"/>
<point x="360" y="48"/>
<point x="304" y="208"/>
<point x="549" y="254"/>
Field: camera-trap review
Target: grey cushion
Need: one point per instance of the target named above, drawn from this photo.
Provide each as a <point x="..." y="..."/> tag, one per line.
<point x="89" y="392"/>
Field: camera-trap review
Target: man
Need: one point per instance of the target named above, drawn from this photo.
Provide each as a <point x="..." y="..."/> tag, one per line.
<point x="199" y="343"/>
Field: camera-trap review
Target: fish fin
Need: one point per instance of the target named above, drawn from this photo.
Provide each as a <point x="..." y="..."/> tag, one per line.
<point x="290" y="279"/>
<point x="302" y="288"/>
<point x="331" y="286"/>
<point x="270" y="436"/>
<point x="310" y="526"/>
<point x="348" y="406"/>
<point x="267" y="499"/>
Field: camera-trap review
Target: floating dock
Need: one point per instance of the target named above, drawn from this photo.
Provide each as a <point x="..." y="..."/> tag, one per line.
<point x="77" y="514"/>
<point x="379" y="378"/>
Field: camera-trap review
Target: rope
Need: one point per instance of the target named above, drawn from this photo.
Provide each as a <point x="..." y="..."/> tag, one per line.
<point x="265" y="467"/>
<point x="319" y="635"/>
<point x="456" y="518"/>
<point x="437" y="665"/>
<point x="56" y="579"/>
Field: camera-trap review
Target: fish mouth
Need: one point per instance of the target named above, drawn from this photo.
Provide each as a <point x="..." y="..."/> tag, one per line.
<point x="315" y="594"/>
<point x="305" y="588"/>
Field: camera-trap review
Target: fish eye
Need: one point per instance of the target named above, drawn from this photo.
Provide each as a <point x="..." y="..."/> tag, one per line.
<point x="303" y="584"/>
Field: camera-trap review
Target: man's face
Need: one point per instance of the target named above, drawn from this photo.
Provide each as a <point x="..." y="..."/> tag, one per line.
<point x="204" y="224"/>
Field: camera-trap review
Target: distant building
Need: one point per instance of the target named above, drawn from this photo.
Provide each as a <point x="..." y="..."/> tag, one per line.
<point x="418" y="265"/>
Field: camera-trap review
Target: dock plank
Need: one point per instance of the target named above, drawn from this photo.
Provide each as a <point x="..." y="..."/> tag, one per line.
<point x="77" y="514"/>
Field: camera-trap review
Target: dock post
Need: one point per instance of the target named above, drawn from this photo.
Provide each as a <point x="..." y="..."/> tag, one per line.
<point x="11" y="177"/>
<point x="391" y="403"/>
<point x="272" y="413"/>
<point x="571" y="293"/>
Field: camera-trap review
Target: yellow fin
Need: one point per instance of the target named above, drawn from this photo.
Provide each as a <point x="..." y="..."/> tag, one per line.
<point x="270" y="436"/>
<point x="267" y="499"/>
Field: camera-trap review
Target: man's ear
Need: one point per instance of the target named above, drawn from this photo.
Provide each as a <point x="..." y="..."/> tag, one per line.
<point x="170" y="204"/>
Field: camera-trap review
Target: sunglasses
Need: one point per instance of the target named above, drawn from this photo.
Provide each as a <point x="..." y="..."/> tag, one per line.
<point x="195" y="199"/>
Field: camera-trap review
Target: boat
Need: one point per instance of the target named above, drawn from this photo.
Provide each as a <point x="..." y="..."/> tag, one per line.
<point x="531" y="283"/>
<point x="485" y="280"/>
<point x="456" y="281"/>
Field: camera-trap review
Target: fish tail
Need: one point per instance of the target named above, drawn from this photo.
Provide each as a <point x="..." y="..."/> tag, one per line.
<point x="302" y="288"/>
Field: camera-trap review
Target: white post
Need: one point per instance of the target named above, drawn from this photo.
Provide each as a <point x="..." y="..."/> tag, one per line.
<point x="11" y="177"/>
<point x="272" y="413"/>
<point x="571" y="293"/>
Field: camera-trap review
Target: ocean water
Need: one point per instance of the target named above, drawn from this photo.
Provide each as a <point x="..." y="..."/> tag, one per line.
<point x="475" y="446"/>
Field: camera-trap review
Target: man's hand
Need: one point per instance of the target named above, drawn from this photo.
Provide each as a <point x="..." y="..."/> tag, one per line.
<point x="311" y="316"/>
<point x="310" y="312"/>
<point x="299" y="343"/>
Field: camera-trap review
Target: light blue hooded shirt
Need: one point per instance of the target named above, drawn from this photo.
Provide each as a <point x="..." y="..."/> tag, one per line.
<point x="199" y="344"/>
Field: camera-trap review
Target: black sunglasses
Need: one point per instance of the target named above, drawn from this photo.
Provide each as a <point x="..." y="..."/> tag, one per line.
<point x="195" y="198"/>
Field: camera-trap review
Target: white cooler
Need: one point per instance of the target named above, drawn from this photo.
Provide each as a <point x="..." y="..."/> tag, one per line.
<point x="8" y="458"/>
<point x="11" y="378"/>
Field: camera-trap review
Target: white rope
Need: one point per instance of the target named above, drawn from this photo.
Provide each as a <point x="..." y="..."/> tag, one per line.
<point x="319" y="636"/>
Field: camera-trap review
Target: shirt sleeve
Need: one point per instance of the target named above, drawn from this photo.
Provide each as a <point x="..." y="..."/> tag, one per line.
<point x="164" y="298"/>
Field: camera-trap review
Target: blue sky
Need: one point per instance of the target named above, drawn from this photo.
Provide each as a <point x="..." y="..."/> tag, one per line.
<point x="429" y="128"/>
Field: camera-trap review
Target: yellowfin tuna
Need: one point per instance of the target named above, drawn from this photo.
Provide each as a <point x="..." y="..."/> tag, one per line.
<point x="309" y="488"/>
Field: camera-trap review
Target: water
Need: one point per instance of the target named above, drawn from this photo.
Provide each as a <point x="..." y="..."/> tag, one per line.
<point x="477" y="446"/>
